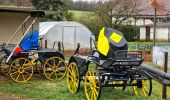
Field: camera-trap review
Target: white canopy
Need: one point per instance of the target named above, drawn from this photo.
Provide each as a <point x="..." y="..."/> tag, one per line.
<point x="68" y="32"/>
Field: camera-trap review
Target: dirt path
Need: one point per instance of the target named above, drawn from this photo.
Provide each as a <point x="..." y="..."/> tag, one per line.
<point x="4" y="96"/>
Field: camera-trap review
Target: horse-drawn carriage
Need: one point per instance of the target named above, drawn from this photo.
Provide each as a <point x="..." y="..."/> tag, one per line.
<point x="19" y="60"/>
<point x="109" y="65"/>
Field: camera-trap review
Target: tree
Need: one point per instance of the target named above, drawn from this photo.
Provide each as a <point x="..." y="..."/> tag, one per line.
<point x="119" y="10"/>
<point x="58" y="7"/>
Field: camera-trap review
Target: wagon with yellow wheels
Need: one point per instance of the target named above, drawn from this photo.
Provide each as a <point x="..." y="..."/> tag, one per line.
<point x="109" y="65"/>
<point x="20" y="61"/>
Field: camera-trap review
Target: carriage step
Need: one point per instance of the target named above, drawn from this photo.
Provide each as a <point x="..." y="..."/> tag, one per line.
<point x="110" y="74"/>
<point x="118" y="79"/>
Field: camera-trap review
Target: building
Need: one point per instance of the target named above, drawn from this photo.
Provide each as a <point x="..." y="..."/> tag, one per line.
<point x="162" y="32"/>
<point x="12" y="18"/>
<point x="144" y="19"/>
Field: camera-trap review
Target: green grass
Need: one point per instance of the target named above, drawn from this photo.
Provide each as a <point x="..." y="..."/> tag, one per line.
<point x="41" y="89"/>
<point x="78" y="14"/>
<point x="157" y="43"/>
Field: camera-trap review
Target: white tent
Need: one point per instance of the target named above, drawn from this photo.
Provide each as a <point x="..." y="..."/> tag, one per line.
<point x="68" y="32"/>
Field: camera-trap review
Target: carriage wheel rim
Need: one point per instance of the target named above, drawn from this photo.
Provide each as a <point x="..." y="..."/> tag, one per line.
<point x="142" y="90"/>
<point x="21" y="71"/>
<point x="54" y="68"/>
<point x="73" y="77"/>
<point x="92" y="88"/>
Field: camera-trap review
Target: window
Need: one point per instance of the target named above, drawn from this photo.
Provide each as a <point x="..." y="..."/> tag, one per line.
<point x="147" y="33"/>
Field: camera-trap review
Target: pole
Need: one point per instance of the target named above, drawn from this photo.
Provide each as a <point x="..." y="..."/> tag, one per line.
<point x="135" y="27"/>
<point x="45" y="43"/>
<point x="164" y="89"/>
<point x="111" y="17"/>
<point x="154" y="27"/>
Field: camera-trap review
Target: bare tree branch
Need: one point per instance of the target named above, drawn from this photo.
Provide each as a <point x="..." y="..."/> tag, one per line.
<point x="121" y="10"/>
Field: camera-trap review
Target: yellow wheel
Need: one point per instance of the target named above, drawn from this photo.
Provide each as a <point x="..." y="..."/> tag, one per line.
<point x="142" y="87"/>
<point x="73" y="77"/>
<point x="92" y="86"/>
<point x="55" y="68"/>
<point x="21" y="70"/>
<point x="4" y="68"/>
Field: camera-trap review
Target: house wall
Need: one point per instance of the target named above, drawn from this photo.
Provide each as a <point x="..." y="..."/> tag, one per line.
<point x="142" y="33"/>
<point x="151" y="33"/>
<point x="9" y="22"/>
<point x="161" y="34"/>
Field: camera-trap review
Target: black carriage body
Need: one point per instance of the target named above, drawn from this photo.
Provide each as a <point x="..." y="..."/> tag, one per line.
<point x="81" y="62"/>
<point x="113" y="63"/>
<point x="45" y="54"/>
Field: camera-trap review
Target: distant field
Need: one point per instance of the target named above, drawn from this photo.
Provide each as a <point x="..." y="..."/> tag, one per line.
<point x="78" y="14"/>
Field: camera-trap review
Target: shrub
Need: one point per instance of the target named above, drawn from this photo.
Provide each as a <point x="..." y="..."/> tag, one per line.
<point x="129" y="32"/>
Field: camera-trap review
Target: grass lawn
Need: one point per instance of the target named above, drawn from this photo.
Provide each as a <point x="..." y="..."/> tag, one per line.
<point x="78" y="14"/>
<point x="157" y="43"/>
<point x="38" y="88"/>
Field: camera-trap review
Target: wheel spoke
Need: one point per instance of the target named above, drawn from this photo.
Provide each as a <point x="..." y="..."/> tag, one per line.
<point x="141" y="91"/>
<point x="51" y="74"/>
<point x="25" y="62"/>
<point x="14" y="73"/>
<point x="144" y="92"/>
<point x="71" y="68"/>
<point x="15" y="67"/>
<point x="97" y="87"/>
<point x="146" y="89"/>
<point x="18" y="76"/>
<point x="49" y="65"/>
<point x="70" y="71"/>
<point x="27" y="73"/>
<point x="58" y="64"/>
<point x="27" y="67"/>
<point x="91" y="94"/>
<point x="90" y="74"/>
<point x="96" y="91"/>
<point x="134" y="89"/>
<point x="23" y="76"/>
<point x="60" y="73"/>
<point x="73" y="87"/>
<point x="76" y="80"/>
<point x="76" y="85"/>
<point x="69" y="76"/>
<point x="53" y="62"/>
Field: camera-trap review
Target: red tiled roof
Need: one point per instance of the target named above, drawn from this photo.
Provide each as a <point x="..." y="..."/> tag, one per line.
<point x="148" y="9"/>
